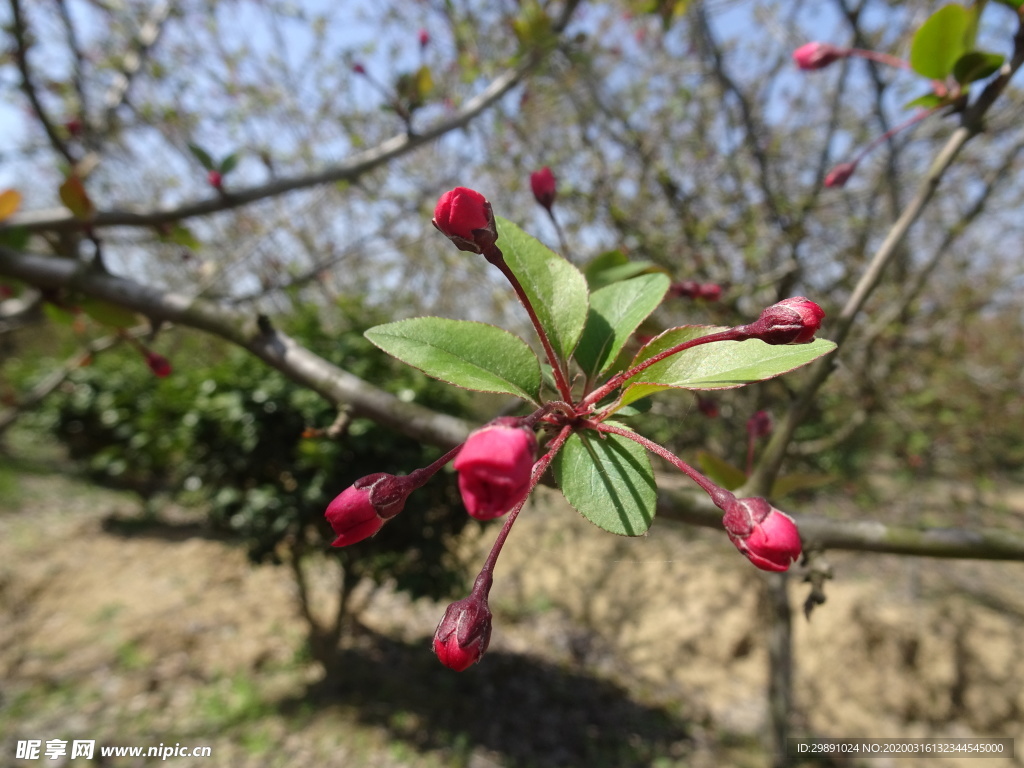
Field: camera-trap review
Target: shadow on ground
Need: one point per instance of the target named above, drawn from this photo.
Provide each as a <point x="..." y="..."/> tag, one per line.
<point x="528" y="711"/>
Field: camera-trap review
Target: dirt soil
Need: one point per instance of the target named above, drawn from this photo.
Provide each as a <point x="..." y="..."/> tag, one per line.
<point x="606" y="651"/>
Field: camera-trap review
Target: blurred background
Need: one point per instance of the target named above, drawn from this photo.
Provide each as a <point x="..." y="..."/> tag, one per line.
<point x="165" y="574"/>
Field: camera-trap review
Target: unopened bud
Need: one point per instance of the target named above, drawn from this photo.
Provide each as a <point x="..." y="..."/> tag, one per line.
<point x="760" y="424"/>
<point x="361" y="510"/>
<point x="495" y="467"/>
<point x="464" y="216"/>
<point x="464" y="633"/>
<point x="158" y="364"/>
<point x="817" y="55"/>
<point x="216" y="180"/>
<point x="767" y="537"/>
<point x="791" y="321"/>
<point x="543" y="184"/>
<point x="839" y="175"/>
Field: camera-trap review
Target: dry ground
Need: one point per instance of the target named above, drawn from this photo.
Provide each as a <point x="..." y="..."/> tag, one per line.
<point x="606" y="651"/>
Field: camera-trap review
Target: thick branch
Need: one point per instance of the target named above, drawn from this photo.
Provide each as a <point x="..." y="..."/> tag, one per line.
<point x="275" y="348"/>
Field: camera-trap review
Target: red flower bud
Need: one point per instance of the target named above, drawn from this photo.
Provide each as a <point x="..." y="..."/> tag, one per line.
<point x="424" y="37"/>
<point x="464" y="216"/>
<point x="543" y="184"/>
<point x="494" y="468"/>
<point x="359" y="69"/>
<point x="465" y="631"/>
<point x="685" y="289"/>
<point x="158" y="364"/>
<point x="708" y="407"/>
<point x="791" y="321"/>
<point x="710" y="291"/>
<point x="817" y="55"/>
<point x="767" y="537"/>
<point x="362" y="509"/>
<point x="760" y="424"/>
<point x="216" y="180"/>
<point x="74" y="126"/>
<point x="839" y="175"/>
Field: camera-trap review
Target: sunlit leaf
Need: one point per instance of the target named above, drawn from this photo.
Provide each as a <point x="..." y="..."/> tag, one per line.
<point x="74" y="196"/>
<point x="609" y="481"/>
<point x="940" y="41"/>
<point x="470" y="355"/>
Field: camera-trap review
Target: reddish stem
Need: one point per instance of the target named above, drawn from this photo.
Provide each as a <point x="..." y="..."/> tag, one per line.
<point x="721" y="497"/>
<point x="539" y="468"/>
<point x="732" y="334"/>
<point x="494" y="255"/>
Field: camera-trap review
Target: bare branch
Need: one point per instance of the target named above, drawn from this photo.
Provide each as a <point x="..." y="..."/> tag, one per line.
<point x="275" y="348"/>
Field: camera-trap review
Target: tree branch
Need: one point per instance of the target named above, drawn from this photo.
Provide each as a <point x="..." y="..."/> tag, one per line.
<point x="275" y="348"/>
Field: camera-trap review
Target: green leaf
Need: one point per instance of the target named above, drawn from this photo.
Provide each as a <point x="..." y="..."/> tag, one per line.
<point x="928" y="101"/>
<point x="555" y="288"/>
<point x="108" y="314"/>
<point x="615" y="312"/>
<point x="727" y="475"/>
<point x="229" y="163"/>
<point x="469" y="355"/>
<point x="15" y="237"/>
<point x="717" y="365"/>
<point x="976" y="65"/>
<point x="609" y="481"/>
<point x="940" y="41"/>
<point x="612" y="266"/>
<point x="202" y="156"/>
<point x="1012" y="3"/>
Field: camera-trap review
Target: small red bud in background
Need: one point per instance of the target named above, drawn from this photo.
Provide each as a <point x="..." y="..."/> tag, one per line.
<point x="710" y="291"/>
<point x="767" y="537"/>
<point x="359" y="69"/>
<point x="424" y="38"/>
<point x="216" y="180"/>
<point x="812" y="56"/>
<point x="542" y="183"/>
<point x="74" y="127"/>
<point x="158" y="364"/>
<point x="708" y="407"/>
<point x="760" y="424"/>
<point x="494" y="468"/>
<point x="839" y="175"/>
<point x="462" y="636"/>
<point x="6" y="291"/>
<point x="464" y="216"/>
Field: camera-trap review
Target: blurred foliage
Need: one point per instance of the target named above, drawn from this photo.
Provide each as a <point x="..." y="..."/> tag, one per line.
<point x="245" y="443"/>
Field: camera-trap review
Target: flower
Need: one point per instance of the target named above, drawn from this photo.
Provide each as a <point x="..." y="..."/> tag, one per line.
<point x="494" y="468"/>
<point x="817" y="55"/>
<point x="839" y="175"/>
<point x="790" y="321"/>
<point x="361" y="510"/>
<point x="464" y="632"/>
<point x="767" y="537"/>
<point x="543" y="184"/>
<point x="464" y="216"/>
<point x="158" y="364"/>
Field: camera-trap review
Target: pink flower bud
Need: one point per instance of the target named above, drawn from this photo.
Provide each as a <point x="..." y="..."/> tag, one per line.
<point x="494" y="468"/>
<point x="708" y="407"/>
<point x="685" y="289"/>
<point x="710" y="291"/>
<point x="464" y="216"/>
<point x="767" y="537"/>
<point x="359" y="69"/>
<point x="424" y="38"/>
<point x="158" y="364"/>
<point x="817" y="55"/>
<point x="791" y="321"/>
<point x="839" y="175"/>
<point x="760" y="424"/>
<point x="74" y="126"/>
<point x="543" y="184"/>
<point x="361" y="510"/>
<point x="215" y="179"/>
<point x="465" y="631"/>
